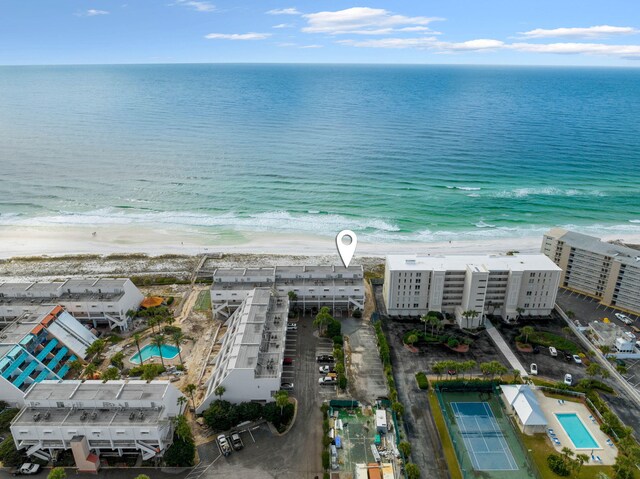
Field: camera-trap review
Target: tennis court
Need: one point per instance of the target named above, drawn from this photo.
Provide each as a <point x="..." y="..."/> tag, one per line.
<point x="486" y="444"/>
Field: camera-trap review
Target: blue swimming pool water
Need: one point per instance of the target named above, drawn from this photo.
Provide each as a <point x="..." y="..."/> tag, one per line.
<point x="577" y="431"/>
<point x="151" y="350"/>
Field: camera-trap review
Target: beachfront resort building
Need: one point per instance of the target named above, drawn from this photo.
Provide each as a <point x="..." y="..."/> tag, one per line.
<point x="608" y="272"/>
<point x="100" y="302"/>
<point x="39" y="345"/>
<point x="501" y="285"/>
<point x="339" y="288"/>
<point x="93" y="418"/>
<point x="249" y="364"/>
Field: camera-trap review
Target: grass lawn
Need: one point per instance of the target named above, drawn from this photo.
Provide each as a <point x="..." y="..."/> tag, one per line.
<point x="540" y="448"/>
<point x="203" y="303"/>
<point x="447" y="445"/>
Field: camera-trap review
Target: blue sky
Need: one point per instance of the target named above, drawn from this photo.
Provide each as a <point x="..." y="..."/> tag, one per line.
<point x="518" y="32"/>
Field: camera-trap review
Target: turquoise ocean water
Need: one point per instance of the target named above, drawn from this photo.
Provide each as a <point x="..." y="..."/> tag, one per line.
<point x="396" y="153"/>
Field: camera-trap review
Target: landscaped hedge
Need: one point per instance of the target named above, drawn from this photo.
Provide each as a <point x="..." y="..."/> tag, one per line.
<point x="546" y="339"/>
<point x="557" y="465"/>
<point x="423" y="382"/>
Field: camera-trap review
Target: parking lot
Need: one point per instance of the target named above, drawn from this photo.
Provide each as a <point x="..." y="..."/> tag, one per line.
<point x="297" y="453"/>
<point x="587" y="309"/>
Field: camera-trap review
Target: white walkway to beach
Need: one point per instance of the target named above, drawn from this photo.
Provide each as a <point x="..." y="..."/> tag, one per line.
<point x="504" y="347"/>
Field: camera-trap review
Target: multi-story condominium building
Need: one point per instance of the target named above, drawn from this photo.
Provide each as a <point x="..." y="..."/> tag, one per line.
<point x="249" y="364"/>
<point x="92" y="418"/>
<point x="340" y="288"/>
<point x="605" y="271"/>
<point x="505" y="286"/>
<point x="37" y="346"/>
<point x="99" y="302"/>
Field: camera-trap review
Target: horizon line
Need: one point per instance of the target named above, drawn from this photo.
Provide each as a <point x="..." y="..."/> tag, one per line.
<point x="319" y="64"/>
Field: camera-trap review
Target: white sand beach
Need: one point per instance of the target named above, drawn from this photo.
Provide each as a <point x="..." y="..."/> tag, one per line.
<point x="57" y="241"/>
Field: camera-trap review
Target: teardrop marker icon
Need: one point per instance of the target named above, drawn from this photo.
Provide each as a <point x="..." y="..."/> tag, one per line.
<point x="346" y="242"/>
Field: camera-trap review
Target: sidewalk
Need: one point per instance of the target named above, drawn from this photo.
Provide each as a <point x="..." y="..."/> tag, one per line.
<point x="505" y="349"/>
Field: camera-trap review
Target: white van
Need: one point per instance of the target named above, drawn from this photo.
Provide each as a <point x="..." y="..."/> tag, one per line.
<point x="534" y="369"/>
<point x="553" y="351"/>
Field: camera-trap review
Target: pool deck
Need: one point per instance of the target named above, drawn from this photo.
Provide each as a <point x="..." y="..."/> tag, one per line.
<point x="551" y="407"/>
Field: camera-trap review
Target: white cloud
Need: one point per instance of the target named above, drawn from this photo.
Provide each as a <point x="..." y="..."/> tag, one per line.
<point x="315" y="45"/>
<point x="237" y="36"/>
<point x="287" y="44"/>
<point x="284" y="11"/>
<point x="361" y="21"/>
<point x="588" y="32"/>
<point x="93" y="13"/>
<point x="624" y="51"/>
<point x="197" y="5"/>
<point x="431" y="43"/>
<point x="283" y="25"/>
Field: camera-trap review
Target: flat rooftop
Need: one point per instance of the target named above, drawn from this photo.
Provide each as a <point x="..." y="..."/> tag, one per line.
<point x="104" y="289"/>
<point x="623" y="254"/>
<point x="67" y="416"/>
<point x="520" y="262"/>
<point x="14" y="332"/>
<point x="96" y="391"/>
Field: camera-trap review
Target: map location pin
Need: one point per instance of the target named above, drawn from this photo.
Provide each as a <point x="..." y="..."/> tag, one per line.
<point x="347" y="249"/>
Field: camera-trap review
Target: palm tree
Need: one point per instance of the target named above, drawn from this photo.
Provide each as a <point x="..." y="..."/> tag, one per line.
<point x="605" y="349"/>
<point x="136" y="339"/>
<point x="580" y="460"/>
<point x="170" y="320"/>
<point x="190" y="389"/>
<point x="412" y="339"/>
<point x="90" y="370"/>
<point x="567" y="453"/>
<point x="96" y="348"/>
<point x="282" y="399"/>
<point x="526" y="332"/>
<point x="152" y="322"/>
<point x="181" y="402"/>
<point x="516" y="374"/>
<point x="425" y="319"/>
<point x="76" y="366"/>
<point x="434" y="321"/>
<point x="159" y="341"/>
<point x="520" y="310"/>
<point x="219" y="391"/>
<point x="177" y="338"/>
<point x="470" y="314"/>
<point x="322" y="318"/>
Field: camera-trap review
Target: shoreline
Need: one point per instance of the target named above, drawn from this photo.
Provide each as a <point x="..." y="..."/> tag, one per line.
<point x="45" y="241"/>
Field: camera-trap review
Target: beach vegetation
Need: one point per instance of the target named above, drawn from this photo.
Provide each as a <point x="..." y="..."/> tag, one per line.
<point x="112" y="373"/>
<point x="182" y="453"/>
<point x="57" y="473"/>
<point x="546" y="339"/>
<point x="117" y="360"/>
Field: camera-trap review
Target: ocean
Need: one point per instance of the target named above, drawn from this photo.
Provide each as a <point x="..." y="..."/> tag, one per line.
<point x="395" y="153"/>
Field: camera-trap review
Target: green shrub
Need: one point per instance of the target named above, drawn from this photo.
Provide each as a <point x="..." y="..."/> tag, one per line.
<point x="9" y="455"/>
<point x="546" y="339"/>
<point x="338" y="340"/>
<point x="423" y="382"/>
<point x="453" y="343"/>
<point x="326" y="460"/>
<point x="342" y="381"/>
<point x="170" y="300"/>
<point x="171" y="330"/>
<point x="558" y="465"/>
<point x="326" y="440"/>
<point x="356" y="313"/>
<point x="6" y="417"/>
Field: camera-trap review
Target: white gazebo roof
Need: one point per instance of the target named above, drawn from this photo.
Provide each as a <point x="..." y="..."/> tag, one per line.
<point x="524" y="402"/>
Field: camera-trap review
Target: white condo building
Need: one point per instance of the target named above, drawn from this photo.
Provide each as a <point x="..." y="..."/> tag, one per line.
<point x="498" y="285"/>
<point x="98" y="302"/>
<point x="249" y="364"/>
<point x="94" y="418"/>
<point x="608" y="272"/>
<point x="337" y="287"/>
<point x="37" y="346"/>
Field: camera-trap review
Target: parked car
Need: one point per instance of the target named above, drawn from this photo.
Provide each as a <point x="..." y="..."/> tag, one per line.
<point x="286" y="386"/>
<point x="325" y="369"/>
<point x="27" y="469"/>
<point x="553" y="351"/>
<point x="236" y="441"/>
<point x="624" y="318"/>
<point x="577" y="359"/>
<point x="225" y="448"/>
<point x="325" y="358"/>
<point x="327" y="381"/>
<point x="568" y="357"/>
<point x="536" y="350"/>
<point x="287" y="361"/>
<point x="292" y="327"/>
<point x="534" y="369"/>
<point x="568" y="379"/>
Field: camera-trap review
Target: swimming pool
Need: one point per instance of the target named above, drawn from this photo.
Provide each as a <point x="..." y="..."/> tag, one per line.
<point x="577" y="431"/>
<point x="152" y="351"/>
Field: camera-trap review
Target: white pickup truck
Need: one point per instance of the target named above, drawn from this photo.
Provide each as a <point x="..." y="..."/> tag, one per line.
<point x="26" y="469"/>
<point x="225" y="448"/>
